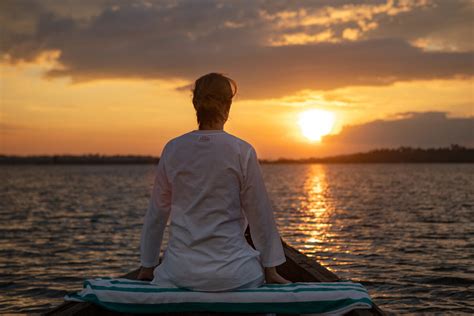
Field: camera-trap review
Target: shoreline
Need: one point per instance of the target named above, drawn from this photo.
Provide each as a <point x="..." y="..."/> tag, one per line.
<point x="452" y="154"/>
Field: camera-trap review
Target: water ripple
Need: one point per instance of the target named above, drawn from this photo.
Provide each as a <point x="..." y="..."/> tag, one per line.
<point x="404" y="231"/>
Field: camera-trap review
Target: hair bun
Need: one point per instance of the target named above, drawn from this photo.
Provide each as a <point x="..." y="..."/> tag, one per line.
<point x="212" y="97"/>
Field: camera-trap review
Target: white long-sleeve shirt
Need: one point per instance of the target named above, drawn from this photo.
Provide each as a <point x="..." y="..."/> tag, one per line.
<point x="211" y="185"/>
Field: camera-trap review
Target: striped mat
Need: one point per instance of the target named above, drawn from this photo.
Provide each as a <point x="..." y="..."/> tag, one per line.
<point x="129" y="296"/>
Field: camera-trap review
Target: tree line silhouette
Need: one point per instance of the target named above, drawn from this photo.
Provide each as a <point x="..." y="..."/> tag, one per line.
<point x="452" y="154"/>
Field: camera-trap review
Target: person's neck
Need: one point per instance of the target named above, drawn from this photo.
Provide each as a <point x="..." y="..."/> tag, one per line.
<point x="212" y="127"/>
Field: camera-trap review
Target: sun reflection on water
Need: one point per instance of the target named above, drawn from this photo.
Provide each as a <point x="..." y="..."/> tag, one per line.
<point x="311" y="216"/>
<point x="315" y="212"/>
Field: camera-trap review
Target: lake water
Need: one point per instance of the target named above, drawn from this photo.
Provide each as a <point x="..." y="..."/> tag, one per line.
<point x="404" y="230"/>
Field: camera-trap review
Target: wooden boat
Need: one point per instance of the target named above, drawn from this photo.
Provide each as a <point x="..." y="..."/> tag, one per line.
<point x="297" y="268"/>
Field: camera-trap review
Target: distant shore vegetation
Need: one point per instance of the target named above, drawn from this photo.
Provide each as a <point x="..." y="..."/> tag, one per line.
<point x="452" y="154"/>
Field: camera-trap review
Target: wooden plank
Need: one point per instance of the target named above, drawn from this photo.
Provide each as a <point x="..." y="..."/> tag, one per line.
<point x="300" y="268"/>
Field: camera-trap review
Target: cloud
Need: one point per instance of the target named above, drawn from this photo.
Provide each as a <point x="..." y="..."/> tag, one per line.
<point x="260" y="44"/>
<point x="416" y="129"/>
<point x="444" y="26"/>
<point x="337" y="20"/>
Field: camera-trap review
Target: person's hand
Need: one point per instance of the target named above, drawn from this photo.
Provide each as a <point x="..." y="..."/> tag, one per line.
<point x="272" y="276"/>
<point x="145" y="274"/>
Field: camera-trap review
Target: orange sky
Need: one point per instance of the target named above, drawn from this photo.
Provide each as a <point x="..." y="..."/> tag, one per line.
<point x="57" y="101"/>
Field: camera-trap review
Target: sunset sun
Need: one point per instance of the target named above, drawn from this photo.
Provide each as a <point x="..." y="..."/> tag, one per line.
<point x="316" y="123"/>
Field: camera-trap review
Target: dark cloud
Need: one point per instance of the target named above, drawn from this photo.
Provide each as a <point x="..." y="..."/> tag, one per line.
<point x="184" y="39"/>
<point x="423" y="129"/>
<point x="445" y="24"/>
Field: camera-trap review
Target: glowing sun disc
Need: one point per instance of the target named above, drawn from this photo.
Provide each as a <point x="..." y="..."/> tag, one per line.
<point x="316" y="123"/>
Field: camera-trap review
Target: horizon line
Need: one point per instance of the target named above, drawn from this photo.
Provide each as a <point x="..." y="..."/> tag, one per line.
<point x="451" y="148"/>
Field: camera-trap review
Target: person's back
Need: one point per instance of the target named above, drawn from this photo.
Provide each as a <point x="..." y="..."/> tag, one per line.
<point x="210" y="183"/>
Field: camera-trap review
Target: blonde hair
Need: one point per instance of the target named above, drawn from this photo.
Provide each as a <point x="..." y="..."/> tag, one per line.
<point x="212" y="97"/>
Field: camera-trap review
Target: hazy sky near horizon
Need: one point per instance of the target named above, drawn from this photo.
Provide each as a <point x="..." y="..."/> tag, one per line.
<point x="114" y="77"/>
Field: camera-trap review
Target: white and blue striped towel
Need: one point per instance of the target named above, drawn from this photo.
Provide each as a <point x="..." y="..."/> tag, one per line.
<point x="123" y="295"/>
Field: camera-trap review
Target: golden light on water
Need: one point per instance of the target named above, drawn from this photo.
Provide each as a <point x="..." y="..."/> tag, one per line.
<point x="316" y="210"/>
<point x="315" y="124"/>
